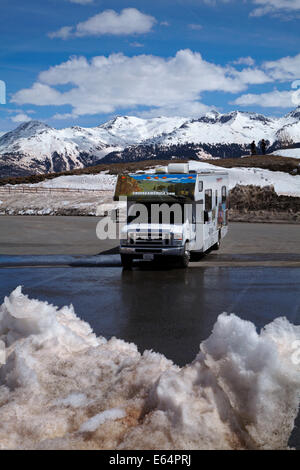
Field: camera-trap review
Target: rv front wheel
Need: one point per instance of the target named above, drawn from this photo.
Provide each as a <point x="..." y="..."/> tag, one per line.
<point x="126" y="261"/>
<point x="185" y="258"/>
<point x="217" y="245"/>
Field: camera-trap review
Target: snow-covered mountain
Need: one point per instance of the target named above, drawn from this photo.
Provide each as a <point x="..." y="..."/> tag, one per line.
<point x="216" y="135"/>
<point x="131" y="130"/>
<point x="35" y="147"/>
<point x="213" y="128"/>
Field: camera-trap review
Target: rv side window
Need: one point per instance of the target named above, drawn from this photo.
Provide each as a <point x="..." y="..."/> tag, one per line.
<point x="200" y="186"/>
<point x="208" y="200"/>
<point x="224" y="194"/>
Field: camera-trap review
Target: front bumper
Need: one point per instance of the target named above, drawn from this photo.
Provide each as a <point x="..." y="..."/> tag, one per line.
<point x="157" y="251"/>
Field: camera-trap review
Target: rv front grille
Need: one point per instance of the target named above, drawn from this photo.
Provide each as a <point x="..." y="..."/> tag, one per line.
<point x="157" y="239"/>
<point x="149" y="240"/>
<point x="140" y="250"/>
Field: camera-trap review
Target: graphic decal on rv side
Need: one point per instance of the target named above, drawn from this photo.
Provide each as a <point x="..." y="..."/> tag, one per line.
<point x="156" y="185"/>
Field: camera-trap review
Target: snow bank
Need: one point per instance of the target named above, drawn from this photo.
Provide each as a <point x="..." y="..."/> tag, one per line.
<point x="292" y="153"/>
<point x="99" y="181"/>
<point x="284" y="183"/>
<point x="108" y="415"/>
<point x="61" y="387"/>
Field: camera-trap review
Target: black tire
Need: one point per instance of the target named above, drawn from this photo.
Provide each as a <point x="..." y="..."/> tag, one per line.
<point x="217" y="245"/>
<point x="185" y="258"/>
<point x="126" y="261"/>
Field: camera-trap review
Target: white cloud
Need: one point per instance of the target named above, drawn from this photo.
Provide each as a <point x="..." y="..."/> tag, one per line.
<point x="136" y="44"/>
<point x="19" y="111"/>
<point x="273" y="99"/>
<point x="264" y="7"/>
<point x="285" y="69"/>
<point x="107" y="84"/>
<point x="188" y="109"/>
<point x="129" y="21"/>
<point x="82" y="2"/>
<point x="22" y="117"/>
<point x="64" y="33"/>
<point x="64" y="116"/>
<point x="214" y="2"/>
<point x="275" y="6"/>
<point x="39" y="94"/>
<point x="244" y="61"/>
<point x="252" y="76"/>
<point x="195" y="26"/>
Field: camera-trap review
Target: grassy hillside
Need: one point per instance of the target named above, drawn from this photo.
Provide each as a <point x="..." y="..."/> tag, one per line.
<point x="111" y="168"/>
<point x="268" y="162"/>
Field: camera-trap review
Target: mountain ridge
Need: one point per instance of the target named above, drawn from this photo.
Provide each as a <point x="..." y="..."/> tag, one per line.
<point x="36" y="147"/>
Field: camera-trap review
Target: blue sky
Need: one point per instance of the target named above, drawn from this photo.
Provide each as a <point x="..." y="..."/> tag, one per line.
<point x="81" y="62"/>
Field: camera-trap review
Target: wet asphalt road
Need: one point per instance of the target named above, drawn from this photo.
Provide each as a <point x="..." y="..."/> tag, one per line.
<point x="74" y="236"/>
<point x="169" y="311"/>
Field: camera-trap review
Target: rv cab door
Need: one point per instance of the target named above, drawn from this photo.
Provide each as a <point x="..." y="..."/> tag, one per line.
<point x="208" y="206"/>
<point x="199" y="226"/>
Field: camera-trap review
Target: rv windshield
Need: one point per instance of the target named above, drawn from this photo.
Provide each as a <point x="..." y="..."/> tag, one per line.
<point x="156" y="213"/>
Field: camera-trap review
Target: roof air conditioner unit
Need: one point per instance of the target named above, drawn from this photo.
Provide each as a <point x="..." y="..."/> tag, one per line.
<point x="178" y="168"/>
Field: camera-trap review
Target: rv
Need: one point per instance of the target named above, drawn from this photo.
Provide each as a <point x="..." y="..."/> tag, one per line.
<point x="174" y="212"/>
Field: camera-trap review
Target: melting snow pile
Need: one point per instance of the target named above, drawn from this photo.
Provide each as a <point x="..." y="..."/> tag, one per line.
<point x="292" y="153"/>
<point x="100" y="181"/>
<point x="284" y="183"/>
<point x="62" y="387"/>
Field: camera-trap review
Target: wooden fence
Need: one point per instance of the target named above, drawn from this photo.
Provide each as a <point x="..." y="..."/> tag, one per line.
<point x="26" y="189"/>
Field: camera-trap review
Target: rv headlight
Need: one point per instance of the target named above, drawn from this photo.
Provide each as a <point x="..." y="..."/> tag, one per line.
<point x="178" y="236"/>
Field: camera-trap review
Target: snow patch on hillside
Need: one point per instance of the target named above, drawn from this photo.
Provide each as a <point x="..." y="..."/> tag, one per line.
<point x="100" y="182"/>
<point x="291" y="153"/>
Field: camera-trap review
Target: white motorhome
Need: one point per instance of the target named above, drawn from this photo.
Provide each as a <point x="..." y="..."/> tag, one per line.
<point x="176" y="212"/>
